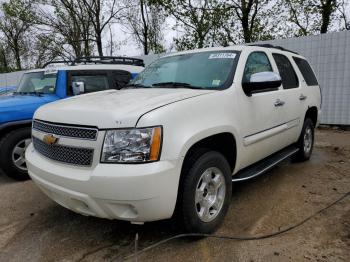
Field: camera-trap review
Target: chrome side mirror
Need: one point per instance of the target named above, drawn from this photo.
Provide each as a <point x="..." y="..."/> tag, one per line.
<point x="262" y="82"/>
<point x="265" y="77"/>
<point x="78" y="88"/>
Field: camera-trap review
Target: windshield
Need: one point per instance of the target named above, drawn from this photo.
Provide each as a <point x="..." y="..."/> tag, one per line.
<point x="37" y="82"/>
<point x="205" y="70"/>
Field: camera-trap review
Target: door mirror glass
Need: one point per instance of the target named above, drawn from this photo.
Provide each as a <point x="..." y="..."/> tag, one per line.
<point x="78" y="88"/>
<point x="262" y="82"/>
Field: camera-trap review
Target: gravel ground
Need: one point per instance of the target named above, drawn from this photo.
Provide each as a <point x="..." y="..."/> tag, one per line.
<point x="34" y="228"/>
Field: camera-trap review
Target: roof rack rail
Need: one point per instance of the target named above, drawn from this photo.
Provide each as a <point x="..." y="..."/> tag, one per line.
<point x="274" y="46"/>
<point x="110" y="60"/>
<point x="57" y="62"/>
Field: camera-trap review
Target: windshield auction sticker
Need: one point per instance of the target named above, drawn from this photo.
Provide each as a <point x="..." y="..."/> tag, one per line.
<point x="222" y="56"/>
<point x="216" y="82"/>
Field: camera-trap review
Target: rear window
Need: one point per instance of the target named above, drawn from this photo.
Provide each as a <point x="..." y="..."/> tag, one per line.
<point x="93" y="83"/>
<point x="286" y="70"/>
<point x="306" y="71"/>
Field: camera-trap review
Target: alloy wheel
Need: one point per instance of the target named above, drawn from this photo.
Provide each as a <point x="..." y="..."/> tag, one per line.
<point x="210" y="194"/>
<point x="18" y="154"/>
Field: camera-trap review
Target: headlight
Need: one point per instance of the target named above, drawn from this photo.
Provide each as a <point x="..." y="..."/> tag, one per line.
<point x="135" y="145"/>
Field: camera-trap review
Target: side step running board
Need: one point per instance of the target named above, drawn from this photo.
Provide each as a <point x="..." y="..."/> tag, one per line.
<point x="264" y="165"/>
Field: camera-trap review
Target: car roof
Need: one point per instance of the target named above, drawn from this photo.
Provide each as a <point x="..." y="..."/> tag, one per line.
<point x="252" y="47"/>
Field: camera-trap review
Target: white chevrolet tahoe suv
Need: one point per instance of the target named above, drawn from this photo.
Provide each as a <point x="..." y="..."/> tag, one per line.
<point x="176" y="137"/>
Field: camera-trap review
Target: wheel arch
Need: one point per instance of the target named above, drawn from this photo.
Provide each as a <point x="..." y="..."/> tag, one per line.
<point x="10" y="126"/>
<point x="224" y="142"/>
<point x="312" y="113"/>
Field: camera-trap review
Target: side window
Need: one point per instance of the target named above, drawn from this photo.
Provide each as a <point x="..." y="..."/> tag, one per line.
<point x="93" y="83"/>
<point x="306" y="71"/>
<point x="119" y="78"/>
<point x="285" y="68"/>
<point x="257" y="62"/>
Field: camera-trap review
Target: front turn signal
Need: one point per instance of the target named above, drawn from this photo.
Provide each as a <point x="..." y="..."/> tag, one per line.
<point x="156" y="144"/>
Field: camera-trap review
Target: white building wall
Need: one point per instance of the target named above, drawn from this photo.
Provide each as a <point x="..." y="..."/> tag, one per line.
<point x="329" y="55"/>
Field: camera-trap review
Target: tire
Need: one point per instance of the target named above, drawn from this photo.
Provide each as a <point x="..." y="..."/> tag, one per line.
<point x="13" y="146"/>
<point x="198" y="190"/>
<point x="305" y="143"/>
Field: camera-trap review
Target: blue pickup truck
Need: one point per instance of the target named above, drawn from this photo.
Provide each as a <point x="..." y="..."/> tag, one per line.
<point x="42" y="86"/>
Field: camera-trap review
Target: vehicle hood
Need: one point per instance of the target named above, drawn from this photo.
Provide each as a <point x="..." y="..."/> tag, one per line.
<point x="113" y="108"/>
<point x="19" y="107"/>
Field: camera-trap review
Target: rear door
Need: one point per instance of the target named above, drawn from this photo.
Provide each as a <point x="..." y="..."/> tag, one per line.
<point x="293" y="108"/>
<point x="310" y="92"/>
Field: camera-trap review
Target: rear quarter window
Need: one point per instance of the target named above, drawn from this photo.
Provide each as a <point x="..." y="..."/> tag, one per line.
<point x="306" y="71"/>
<point x="286" y="70"/>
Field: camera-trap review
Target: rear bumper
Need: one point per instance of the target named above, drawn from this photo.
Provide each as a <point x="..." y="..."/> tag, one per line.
<point x="138" y="193"/>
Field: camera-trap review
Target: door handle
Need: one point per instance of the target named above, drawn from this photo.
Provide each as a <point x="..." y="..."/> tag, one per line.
<point x="279" y="103"/>
<point x="302" y="97"/>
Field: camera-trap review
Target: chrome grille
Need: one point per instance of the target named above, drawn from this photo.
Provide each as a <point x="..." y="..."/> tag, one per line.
<point x="67" y="131"/>
<point x="65" y="154"/>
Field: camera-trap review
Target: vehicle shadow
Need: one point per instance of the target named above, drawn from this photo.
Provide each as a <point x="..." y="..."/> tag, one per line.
<point x="4" y="179"/>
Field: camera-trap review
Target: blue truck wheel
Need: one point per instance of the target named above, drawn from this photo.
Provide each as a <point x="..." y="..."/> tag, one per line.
<point x="12" y="159"/>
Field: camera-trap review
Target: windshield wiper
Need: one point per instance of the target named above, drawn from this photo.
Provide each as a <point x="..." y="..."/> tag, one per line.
<point x="29" y="93"/>
<point x="135" y="86"/>
<point x="177" y="84"/>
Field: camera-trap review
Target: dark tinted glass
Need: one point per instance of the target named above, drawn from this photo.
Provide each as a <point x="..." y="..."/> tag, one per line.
<point x="93" y="83"/>
<point x="306" y="71"/>
<point x="285" y="68"/>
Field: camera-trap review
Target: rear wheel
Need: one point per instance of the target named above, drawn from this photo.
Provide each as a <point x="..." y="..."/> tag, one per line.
<point x="205" y="193"/>
<point x="12" y="154"/>
<point x="306" y="141"/>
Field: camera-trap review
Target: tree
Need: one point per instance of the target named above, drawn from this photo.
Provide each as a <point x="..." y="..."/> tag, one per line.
<point x="343" y="6"/>
<point x="311" y="16"/>
<point x="43" y="50"/>
<point x="326" y="8"/>
<point x="197" y="19"/>
<point x="4" y="64"/>
<point x="303" y="16"/>
<point x="68" y="24"/>
<point x="100" y="15"/>
<point x="144" y="21"/>
<point x="249" y="14"/>
<point x="15" y="25"/>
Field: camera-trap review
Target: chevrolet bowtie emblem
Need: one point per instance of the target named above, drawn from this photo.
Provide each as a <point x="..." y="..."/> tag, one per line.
<point x="50" y="139"/>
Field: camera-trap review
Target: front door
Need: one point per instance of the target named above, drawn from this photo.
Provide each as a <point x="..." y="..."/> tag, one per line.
<point x="261" y="123"/>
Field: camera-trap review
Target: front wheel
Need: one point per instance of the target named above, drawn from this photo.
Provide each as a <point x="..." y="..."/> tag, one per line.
<point x="306" y="141"/>
<point x="206" y="193"/>
<point x="12" y="153"/>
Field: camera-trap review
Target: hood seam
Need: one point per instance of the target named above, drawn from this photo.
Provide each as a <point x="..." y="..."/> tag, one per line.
<point x="138" y="120"/>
